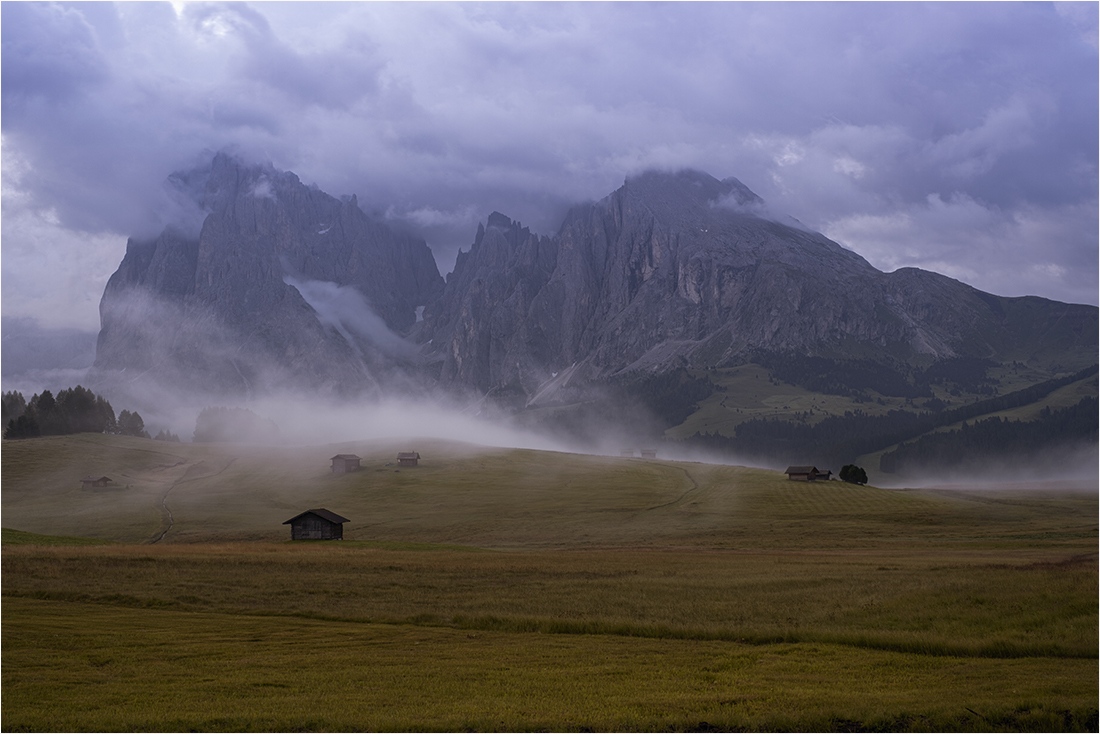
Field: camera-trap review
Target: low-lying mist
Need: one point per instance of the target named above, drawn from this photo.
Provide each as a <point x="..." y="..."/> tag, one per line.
<point x="1074" y="466"/>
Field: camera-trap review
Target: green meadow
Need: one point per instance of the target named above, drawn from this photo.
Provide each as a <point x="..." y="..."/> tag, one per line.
<point x="518" y="590"/>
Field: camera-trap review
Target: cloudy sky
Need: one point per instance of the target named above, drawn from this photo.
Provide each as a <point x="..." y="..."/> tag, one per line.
<point x="957" y="137"/>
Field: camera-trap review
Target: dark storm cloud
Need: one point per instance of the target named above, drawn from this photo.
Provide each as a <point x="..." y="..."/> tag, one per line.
<point x="954" y="136"/>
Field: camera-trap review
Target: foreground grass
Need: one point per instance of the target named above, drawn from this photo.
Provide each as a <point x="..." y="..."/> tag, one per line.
<point x="95" y="668"/>
<point x="935" y="603"/>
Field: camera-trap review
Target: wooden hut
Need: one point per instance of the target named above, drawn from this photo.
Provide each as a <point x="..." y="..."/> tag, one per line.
<point x="317" y="525"/>
<point x="408" y="458"/>
<point x="626" y="453"/>
<point x="649" y="453"/>
<point x="87" y="482"/>
<point x="344" y="463"/>
<point x="805" y="473"/>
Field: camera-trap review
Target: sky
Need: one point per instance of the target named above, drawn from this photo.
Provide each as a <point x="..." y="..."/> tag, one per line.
<point x="956" y="137"/>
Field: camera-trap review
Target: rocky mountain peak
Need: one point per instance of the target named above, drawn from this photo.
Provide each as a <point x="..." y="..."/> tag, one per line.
<point x="280" y="278"/>
<point x="683" y="269"/>
<point x="281" y="281"/>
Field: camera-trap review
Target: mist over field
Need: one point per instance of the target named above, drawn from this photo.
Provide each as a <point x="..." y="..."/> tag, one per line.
<point x="342" y="253"/>
<point x="550" y="366"/>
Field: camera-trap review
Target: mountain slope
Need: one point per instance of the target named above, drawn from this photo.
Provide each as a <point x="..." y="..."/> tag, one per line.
<point x="283" y="285"/>
<point x="681" y="269"/>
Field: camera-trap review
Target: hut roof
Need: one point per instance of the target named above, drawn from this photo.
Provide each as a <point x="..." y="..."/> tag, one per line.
<point x="344" y="456"/>
<point x="801" y="470"/>
<point x="408" y="455"/>
<point x="322" y="513"/>
<point x="96" y="479"/>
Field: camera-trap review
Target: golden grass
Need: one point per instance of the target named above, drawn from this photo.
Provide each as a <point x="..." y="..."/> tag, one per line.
<point x="972" y="604"/>
<point x="94" y="668"/>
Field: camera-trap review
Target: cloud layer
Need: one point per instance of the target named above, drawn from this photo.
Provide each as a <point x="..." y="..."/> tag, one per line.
<point x="956" y="137"/>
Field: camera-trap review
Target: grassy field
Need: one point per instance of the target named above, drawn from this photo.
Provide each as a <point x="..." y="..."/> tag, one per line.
<point x="494" y="589"/>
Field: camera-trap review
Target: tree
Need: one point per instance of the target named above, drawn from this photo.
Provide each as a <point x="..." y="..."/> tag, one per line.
<point x="74" y="410"/>
<point x="131" y="424"/>
<point x="25" y="426"/>
<point x="854" y="474"/>
<point x="45" y="406"/>
<point x="13" y="406"/>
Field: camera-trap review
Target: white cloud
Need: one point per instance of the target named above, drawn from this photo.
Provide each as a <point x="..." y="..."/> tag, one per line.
<point x="1033" y="251"/>
<point x="262" y="189"/>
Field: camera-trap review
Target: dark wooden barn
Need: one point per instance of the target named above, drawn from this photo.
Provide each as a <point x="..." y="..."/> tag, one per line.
<point x="345" y="462"/>
<point x="317" y="525"/>
<point x="94" y="482"/>
<point x="807" y="474"/>
<point x="408" y="458"/>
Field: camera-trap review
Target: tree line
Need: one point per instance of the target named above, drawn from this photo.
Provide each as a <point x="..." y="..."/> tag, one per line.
<point x="854" y="377"/>
<point x="1012" y="443"/>
<point x="74" y="410"/>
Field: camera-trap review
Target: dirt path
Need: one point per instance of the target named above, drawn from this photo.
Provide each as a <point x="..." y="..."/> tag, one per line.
<point x="188" y="476"/>
<point x="694" y="486"/>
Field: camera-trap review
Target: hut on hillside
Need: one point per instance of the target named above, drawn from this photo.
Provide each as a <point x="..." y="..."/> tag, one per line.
<point x="649" y="453"/>
<point x="345" y="462"/>
<point x="408" y="458"/>
<point x="806" y="474"/>
<point x="317" y="524"/>
<point x="626" y="453"/>
<point x="88" y="482"/>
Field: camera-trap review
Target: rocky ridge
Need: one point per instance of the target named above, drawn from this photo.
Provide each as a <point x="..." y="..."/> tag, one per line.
<point x="286" y="286"/>
<point x="283" y="286"/>
<point x="681" y="269"/>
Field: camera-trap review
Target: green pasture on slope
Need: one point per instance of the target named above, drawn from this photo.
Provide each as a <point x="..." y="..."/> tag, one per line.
<point x="493" y="589"/>
<point x="494" y="498"/>
<point x="746" y="393"/>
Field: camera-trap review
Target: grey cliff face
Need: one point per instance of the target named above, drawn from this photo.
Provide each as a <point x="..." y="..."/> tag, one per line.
<point x="286" y="286"/>
<point x="229" y="307"/>
<point x="684" y="269"/>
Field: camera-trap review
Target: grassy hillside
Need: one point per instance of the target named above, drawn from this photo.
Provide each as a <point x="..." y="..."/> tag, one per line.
<point x="497" y="589"/>
<point x="460" y="495"/>
<point x="749" y="391"/>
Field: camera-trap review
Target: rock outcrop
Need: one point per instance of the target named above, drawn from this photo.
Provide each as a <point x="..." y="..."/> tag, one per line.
<point x="683" y="269"/>
<point x="286" y="286"/>
<point x="283" y="285"/>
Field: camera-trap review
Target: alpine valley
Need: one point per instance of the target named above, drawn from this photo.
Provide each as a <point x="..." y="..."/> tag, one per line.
<point x="678" y="305"/>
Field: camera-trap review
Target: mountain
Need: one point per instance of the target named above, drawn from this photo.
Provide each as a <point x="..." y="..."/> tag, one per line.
<point x="283" y="285"/>
<point x="683" y="270"/>
<point x="678" y="306"/>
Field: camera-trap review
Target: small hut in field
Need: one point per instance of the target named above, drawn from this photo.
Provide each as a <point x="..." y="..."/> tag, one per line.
<point x="806" y="474"/>
<point x="649" y="453"/>
<point x="88" y="482"/>
<point x="408" y="458"/>
<point x="317" y="525"/>
<point x="344" y="463"/>
<point x="626" y="453"/>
